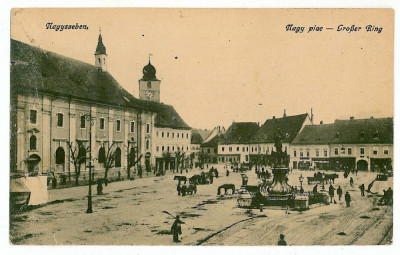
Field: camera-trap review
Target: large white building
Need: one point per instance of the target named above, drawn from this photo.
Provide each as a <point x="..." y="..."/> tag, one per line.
<point x="53" y="98"/>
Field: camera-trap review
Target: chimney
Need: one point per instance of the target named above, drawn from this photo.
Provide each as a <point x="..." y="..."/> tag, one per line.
<point x="312" y="116"/>
<point x="284" y="112"/>
<point x="371" y="117"/>
<point x="352" y="117"/>
<point x="321" y="122"/>
<point x="273" y="117"/>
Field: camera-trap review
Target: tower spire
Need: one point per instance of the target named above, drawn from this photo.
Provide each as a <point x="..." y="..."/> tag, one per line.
<point x="100" y="55"/>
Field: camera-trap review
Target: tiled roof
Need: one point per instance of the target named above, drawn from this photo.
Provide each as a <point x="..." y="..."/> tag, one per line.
<point x="289" y="127"/>
<point x="314" y="134"/>
<point x="34" y="71"/>
<point x="239" y="133"/>
<point x="196" y="137"/>
<point x="375" y="130"/>
<point x="213" y="142"/>
<point x="353" y="131"/>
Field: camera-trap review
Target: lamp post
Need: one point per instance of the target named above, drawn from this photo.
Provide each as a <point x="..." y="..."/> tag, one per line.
<point x="89" y="118"/>
<point x="301" y="181"/>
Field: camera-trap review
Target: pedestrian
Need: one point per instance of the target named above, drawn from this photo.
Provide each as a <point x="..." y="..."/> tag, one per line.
<point x="140" y="171"/>
<point x="331" y="192"/>
<point x="339" y="192"/>
<point x="282" y="240"/>
<point x="54" y="182"/>
<point x="362" y="188"/>
<point x="227" y="173"/>
<point x="389" y="196"/>
<point x="347" y="198"/>
<point x="351" y="182"/>
<point x="315" y="189"/>
<point x="176" y="229"/>
<point x="179" y="189"/>
<point x="99" y="187"/>
<point x="211" y="178"/>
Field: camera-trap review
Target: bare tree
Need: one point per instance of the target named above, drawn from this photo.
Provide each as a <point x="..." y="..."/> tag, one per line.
<point x="180" y="159"/>
<point x="109" y="161"/>
<point x="133" y="158"/>
<point x="76" y="158"/>
<point x="167" y="157"/>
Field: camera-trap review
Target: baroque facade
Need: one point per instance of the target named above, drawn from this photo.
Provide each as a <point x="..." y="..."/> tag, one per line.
<point x="62" y="108"/>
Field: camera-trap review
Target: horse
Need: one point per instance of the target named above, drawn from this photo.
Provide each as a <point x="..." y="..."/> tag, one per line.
<point x="331" y="177"/>
<point x="226" y="187"/>
<point x="191" y="189"/>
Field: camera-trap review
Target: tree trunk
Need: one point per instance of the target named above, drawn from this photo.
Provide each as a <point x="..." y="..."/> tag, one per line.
<point x="105" y="177"/>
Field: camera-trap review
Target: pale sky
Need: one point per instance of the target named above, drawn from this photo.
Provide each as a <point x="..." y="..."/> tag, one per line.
<point x="222" y="65"/>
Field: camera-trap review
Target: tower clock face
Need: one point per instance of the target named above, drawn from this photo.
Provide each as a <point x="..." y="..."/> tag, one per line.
<point x="149" y="94"/>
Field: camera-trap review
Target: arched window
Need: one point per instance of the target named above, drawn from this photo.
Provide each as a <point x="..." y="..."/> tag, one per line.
<point x="60" y="155"/>
<point x="32" y="143"/>
<point x="102" y="155"/>
<point x="147" y="144"/>
<point x="99" y="60"/>
<point x="117" y="157"/>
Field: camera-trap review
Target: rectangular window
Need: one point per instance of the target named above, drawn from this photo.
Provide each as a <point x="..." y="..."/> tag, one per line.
<point x="285" y="149"/>
<point x="132" y="127"/>
<point x="60" y="120"/>
<point x="342" y="150"/>
<point x="209" y="150"/>
<point x="83" y="121"/>
<point x="243" y="149"/>
<point x="173" y="134"/>
<point x="223" y="148"/>
<point x="325" y="153"/>
<point x="308" y="154"/>
<point x="362" y="151"/>
<point x="317" y="153"/>
<point x="101" y="123"/>
<point x="118" y="125"/>
<point x="349" y="151"/>
<point x="162" y="148"/>
<point x="167" y="148"/>
<point x="230" y="149"/>
<point x="295" y="153"/>
<point x="147" y="144"/>
<point x="177" y="135"/>
<point x="157" y="133"/>
<point x="336" y="151"/>
<point x="148" y="128"/>
<point x="187" y="135"/>
<point x="301" y="154"/>
<point x="167" y="134"/>
<point x="386" y="151"/>
<point x="32" y="116"/>
<point x="375" y="151"/>
<point x="162" y="134"/>
<point x="173" y="148"/>
<point x="157" y="148"/>
<point x="237" y="148"/>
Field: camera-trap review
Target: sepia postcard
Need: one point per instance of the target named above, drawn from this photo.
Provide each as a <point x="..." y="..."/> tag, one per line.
<point x="211" y="127"/>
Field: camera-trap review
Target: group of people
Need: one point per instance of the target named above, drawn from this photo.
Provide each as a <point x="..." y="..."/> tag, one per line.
<point x="387" y="198"/>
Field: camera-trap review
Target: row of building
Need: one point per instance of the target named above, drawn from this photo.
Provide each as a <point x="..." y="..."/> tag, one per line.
<point x="363" y="144"/>
<point x="62" y="108"/>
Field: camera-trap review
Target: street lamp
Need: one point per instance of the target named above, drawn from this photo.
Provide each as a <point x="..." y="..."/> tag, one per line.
<point x="89" y="118"/>
<point x="301" y="181"/>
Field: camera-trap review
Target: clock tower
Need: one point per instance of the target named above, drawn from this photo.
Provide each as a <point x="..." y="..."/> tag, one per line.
<point x="149" y="85"/>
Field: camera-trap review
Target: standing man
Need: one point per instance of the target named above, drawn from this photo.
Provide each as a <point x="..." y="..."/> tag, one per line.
<point x="315" y="189"/>
<point x="178" y="188"/>
<point x="347" y="198"/>
<point x="362" y="188"/>
<point x="339" y="192"/>
<point x="282" y="240"/>
<point x="331" y="192"/>
<point x="351" y="182"/>
<point x="176" y="229"/>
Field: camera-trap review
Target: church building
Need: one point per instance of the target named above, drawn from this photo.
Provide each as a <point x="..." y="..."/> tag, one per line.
<point x="59" y="105"/>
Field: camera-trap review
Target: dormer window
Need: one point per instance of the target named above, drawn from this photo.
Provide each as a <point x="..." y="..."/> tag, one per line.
<point x="337" y="136"/>
<point x="287" y="135"/>
<point x="376" y="135"/>
<point x="362" y="135"/>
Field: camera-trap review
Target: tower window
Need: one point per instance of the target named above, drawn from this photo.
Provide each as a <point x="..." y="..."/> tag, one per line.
<point x="104" y="61"/>
<point x="101" y="123"/>
<point x="148" y="128"/>
<point x="32" y="116"/>
<point x="132" y="127"/>
<point x="149" y="84"/>
<point x="118" y="125"/>
<point x="60" y="120"/>
<point x="99" y="60"/>
<point x="32" y="143"/>
<point x="83" y="121"/>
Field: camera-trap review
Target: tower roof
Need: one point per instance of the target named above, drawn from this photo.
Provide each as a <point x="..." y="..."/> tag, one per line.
<point x="149" y="72"/>
<point x="100" y="49"/>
